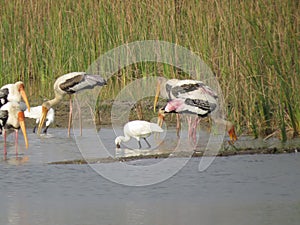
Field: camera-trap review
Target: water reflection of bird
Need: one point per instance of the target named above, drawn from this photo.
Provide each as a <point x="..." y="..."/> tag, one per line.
<point x="36" y="113"/>
<point x="12" y="119"/>
<point x="69" y="84"/>
<point x="13" y="93"/>
<point x="191" y="97"/>
<point x="138" y="129"/>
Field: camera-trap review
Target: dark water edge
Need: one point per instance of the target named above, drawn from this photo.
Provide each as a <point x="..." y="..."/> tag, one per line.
<point x="224" y="153"/>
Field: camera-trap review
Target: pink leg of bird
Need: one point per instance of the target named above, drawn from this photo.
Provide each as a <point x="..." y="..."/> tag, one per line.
<point x="189" y="119"/>
<point x="79" y="115"/>
<point x="16" y="141"/>
<point x="178" y="125"/>
<point x="194" y="129"/>
<point x="4" y="137"/>
<point x="70" y="116"/>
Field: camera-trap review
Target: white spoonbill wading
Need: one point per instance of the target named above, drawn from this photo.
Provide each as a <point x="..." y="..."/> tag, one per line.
<point x="69" y="84"/>
<point x="12" y="119"/>
<point x="13" y="93"/>
<point x="138" y="129"/>
<point x="36" y="113"/>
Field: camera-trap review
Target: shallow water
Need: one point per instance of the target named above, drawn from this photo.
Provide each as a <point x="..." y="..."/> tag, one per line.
<point x="249" y="189"/>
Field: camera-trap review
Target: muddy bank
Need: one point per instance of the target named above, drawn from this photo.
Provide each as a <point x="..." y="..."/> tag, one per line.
<point x="224" y="153"/>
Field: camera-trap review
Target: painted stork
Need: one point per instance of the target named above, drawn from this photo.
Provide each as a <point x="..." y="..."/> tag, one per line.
<point x="185" y="89"/>
<point x="36" y="113"/>
<point x="200" y="107"/>
<point x="175" y="88"/>
<point x="191" y="97"/>
<point x="13" y="93"/>
<point x="12" y="119"/>
<point x="138" y="129"/>
<point x="69" y="84"/>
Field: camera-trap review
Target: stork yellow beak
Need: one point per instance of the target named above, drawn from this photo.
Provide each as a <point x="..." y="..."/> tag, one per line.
<point x="161" y="117"/>
<point x="156" y="96"/>
<point x="24" y="96"/>
<point x="42" y="119"/>
<point x="23" y="127"/>
<point x="232" y="135"/>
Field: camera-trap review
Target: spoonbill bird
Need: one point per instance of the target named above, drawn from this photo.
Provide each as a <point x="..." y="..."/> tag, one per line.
<point x="12" y="119"/>
<point x="138" y="129"/>
<point x="36" y="113"/>
<point x="69" y="84"/>
<point x="13" y="93"/>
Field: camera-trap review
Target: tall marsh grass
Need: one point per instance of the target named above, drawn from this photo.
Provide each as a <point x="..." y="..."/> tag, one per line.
<point x="252" y="46"/>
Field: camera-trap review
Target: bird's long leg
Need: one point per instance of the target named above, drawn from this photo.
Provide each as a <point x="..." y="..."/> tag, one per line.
<point x="4" y="137"/>
<point x="149" y="146"/>
<point x="189" y="119"/>
<point x="195" y="124"/>
<point x="178" y="125"/>
<point x="139" y="142"/>
<point x="33" y="131"/>
<point x="16" y="141"/>
<point x="79" y="115"/>
<point x="45" y="130"/>
<point x="70" y="116"/>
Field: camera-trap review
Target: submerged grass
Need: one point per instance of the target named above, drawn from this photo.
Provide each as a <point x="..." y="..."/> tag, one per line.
<point x="253" y="48"/>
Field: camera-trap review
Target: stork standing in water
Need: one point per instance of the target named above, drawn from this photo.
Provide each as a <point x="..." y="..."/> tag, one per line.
<point x="36" y="113"/>
<point x="191" y="97"/>
<point x="69" y="84"/>
<point x="13" y="93"/>
<point x="12" y="119"/>
<point x="138" y="129"/>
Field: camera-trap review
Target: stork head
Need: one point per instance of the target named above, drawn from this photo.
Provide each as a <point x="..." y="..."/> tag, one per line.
<point x="45" y="108"/>
<point x="23" y="127"/>
<point x="231" y="132"/>
<point x="21" y="89"/>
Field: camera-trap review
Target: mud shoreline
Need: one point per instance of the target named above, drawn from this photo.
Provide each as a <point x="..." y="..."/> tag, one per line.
<point x="224" y="153"/>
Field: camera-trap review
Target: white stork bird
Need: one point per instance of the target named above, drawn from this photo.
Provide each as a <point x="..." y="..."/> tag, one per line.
<point x="36" y="113"/>
<point x="191" y="97"/>
<point x="138" y="129"/>
<point x="69" y="84"/>
<point x="12" y="119"/>
<point x="13" y="93"/>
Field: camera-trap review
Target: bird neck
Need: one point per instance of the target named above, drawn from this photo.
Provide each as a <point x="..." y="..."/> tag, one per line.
<point x="54" y="101"/>
<point x="123" y="138"/>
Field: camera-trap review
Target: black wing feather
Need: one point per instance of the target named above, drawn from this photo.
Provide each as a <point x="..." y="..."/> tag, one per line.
<point x="3" y="96"/>
<point x="202" y="104"/>
<point x="3" y="119"/>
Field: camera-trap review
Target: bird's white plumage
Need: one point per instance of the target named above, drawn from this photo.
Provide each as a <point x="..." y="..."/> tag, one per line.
<point x="14" y="117"/>
<point x="138" y="129"/>
<point x="13" y="91"/>
<point x="175" y="88"/>
<point x="13" y="108"/>
<point x="36" y="113"/>
<point x="69" y="84"/>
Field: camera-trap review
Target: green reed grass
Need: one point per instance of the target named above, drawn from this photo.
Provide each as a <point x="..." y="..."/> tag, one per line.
<point x="252" y="46"/>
